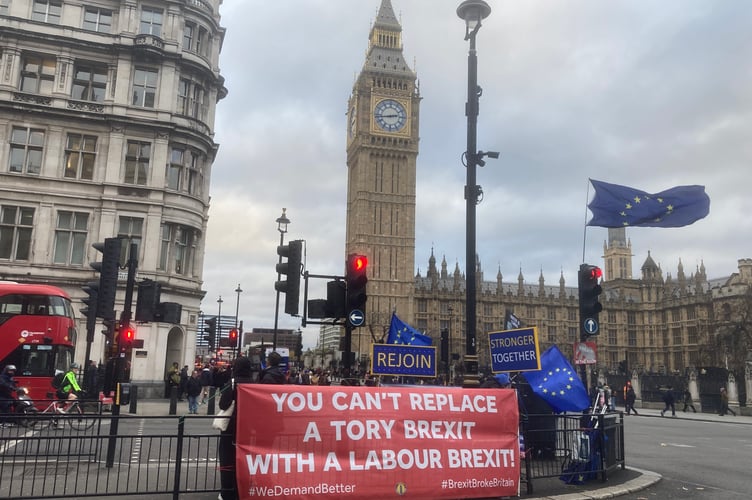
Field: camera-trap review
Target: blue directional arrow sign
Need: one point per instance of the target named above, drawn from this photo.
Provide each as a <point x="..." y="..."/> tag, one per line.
<point x="356" y="317"/>
<point x="591" y="326"/>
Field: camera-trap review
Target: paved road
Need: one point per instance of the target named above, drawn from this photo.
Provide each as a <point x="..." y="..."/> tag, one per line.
<point x="700" y="456"/>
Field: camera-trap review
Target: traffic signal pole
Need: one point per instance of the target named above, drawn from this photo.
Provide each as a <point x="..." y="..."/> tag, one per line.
<point x="124" y="349"/>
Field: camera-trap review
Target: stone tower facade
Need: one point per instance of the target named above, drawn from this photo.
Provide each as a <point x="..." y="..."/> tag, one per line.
<point x="382" y="147"/>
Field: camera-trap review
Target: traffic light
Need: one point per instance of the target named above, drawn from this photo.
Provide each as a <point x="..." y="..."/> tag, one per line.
<point x="336" y="299"/>
<point x="127" y="336"/>
<point x="356" y="279"/>
<point x="445" y="345"/>
<point x="590" y="289"/>
<point x="211" y="332"/>
<point x="233" y="336"/>
<point x="90" y="311"/>
<point x="147" y="302"/>
<point x="108" y="277"/>
<point x="291" y="269"/>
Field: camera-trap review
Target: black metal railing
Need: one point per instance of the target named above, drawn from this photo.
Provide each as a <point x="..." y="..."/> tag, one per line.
<point x="148" y="456"/>
<point x="574" y="448"/>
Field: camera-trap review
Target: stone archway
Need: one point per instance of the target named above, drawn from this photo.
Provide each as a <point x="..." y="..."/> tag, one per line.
<point x="174" y="350"/>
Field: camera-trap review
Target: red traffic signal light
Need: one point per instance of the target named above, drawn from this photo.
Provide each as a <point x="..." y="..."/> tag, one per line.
<point x="358" y="263"/>
<point x="233" y="337"/>
<point x="128" y="335"/>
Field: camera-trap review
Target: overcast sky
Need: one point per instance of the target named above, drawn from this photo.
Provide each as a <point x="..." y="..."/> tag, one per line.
<point x="642" y="93"/>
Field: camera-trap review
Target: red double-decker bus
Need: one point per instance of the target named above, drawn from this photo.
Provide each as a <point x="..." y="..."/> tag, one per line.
<point x="37" y="333"/>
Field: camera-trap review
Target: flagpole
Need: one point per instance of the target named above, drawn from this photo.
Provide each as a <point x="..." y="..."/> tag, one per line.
<point x="584" y="229"/>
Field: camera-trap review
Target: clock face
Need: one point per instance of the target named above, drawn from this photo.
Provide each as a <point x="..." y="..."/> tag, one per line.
<point x="390" y="115"/>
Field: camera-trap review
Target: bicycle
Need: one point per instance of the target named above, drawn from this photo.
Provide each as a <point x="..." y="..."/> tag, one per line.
<point x="75" y="415"/>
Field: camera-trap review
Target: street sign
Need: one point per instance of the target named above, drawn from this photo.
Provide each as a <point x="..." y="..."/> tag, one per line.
<point x="591" y="326"/>
<point x="403" y="360"/>
<point x="514" y="350"/>
<point x="356" y="317"/>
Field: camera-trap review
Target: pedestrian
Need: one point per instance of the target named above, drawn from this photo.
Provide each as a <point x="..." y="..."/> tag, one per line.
<point x="206" y="382"/>
<point x="273" y="373"/>
<point x="183" y="383"/>
<point x="241" y="372"/>
<point x="688" y="402"/>
<point x="7" y="387"/>
<point x="668" y="399"/>
<point x="90" y="377"/>
<point x="172" y="379"/>
<point x="629" y="400"/>
<point x="725" y="404"/>
<point x="193" y="391"/>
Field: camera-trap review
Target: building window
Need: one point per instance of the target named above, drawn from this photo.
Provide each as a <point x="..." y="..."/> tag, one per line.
<point x="552" y="334"/>
<point x="551" y="313"/>
<point x="178" y="249"/>
<point x="80" y="156"/>
<point x="4" y="7"/>
<point x="612" y="317"/>
<point x="26" y="147"/>
<point x="144" y="87"/>
<point x="488" y="309"/>
<point x="89" y="82"/>
<point x="195" y="177"/>
<point x="632" y="337"/>
<point x="422" y="306"/>
<point x="176" y="168"/>
<point x="692" y="335"/>
<point x="675" y="315"/>
<point x="691" y="312"/>
<point x="189" y="33"/>
<point x="137" y="158"/>
<point x="70" y="238"/>
<point x="572" y="314"/>
<point x="191" y="99"/>
<point x="202" y="42"/>
<point x="676" y="334"/>
<point x="96" y="19"/>
<point x="46" y="11"/>
<point x="37" y="74"/>
<point x="130" y="231"/>
<point x="15" y="232"/>
<point x="151" y="21"/>
<point x="611" y="334"/>
<point x="573" y="334"/>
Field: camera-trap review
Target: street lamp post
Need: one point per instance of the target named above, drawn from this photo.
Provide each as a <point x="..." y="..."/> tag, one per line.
<point x="238" y="290"/>
<point x="472" y="12"/>
<point x="219" y="320"/>
<point x="282" y="223"/>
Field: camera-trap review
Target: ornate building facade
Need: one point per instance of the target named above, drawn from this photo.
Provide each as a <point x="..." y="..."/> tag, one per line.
<point x="107" y="115"/>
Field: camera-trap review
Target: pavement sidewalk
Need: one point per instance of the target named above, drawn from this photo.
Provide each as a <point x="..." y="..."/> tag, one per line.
<point x="620" y="482"/>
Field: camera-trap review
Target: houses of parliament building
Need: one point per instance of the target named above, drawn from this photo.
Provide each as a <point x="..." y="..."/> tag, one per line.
<point x="652" y="322"/>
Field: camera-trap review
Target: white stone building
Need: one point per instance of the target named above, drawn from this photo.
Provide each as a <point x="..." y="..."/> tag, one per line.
<point x="107" y="124"/>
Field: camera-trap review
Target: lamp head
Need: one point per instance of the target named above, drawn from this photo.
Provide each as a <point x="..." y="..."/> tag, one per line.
<point x="473" y="12"/>
<point x="282" y="222"/>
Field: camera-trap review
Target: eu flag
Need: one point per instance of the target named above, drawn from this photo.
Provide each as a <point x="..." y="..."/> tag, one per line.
<point x="557" y="383"/>
<point x="402" y="333"/>
<point x="621" y="206"/>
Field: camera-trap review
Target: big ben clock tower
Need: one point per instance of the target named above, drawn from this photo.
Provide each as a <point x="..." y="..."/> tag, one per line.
<point x="382" y="147"/>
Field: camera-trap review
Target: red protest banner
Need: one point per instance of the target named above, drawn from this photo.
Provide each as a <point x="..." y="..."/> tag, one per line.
<point x="376" y="442"/>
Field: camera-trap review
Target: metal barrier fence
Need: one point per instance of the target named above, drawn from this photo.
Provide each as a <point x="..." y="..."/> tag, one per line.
<point x="170" y="455"/>
<point x="574" y="448"/>
<point x="79" y="458"/>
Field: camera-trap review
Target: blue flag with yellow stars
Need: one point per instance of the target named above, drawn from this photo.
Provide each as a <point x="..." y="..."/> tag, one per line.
<point x="557" y="383"/>
<point x="621" y="206"/>
<point x="402" y="333"/>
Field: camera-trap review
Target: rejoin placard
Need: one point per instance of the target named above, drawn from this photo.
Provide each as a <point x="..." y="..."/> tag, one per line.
<point x="403" y="360"/>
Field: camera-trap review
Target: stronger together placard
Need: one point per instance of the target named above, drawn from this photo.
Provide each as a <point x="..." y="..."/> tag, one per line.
<point x="376" y="442"/>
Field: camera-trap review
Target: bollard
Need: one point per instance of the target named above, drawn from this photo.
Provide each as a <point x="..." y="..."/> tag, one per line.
<point x="134" y="398"/>
<point x="173" y="400"/>
<point x="210" y="406"/>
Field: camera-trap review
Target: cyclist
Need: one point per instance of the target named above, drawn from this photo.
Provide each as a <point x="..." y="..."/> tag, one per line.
<point x="69" y="389"/>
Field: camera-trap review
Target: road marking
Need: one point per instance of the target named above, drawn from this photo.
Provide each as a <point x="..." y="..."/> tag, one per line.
<point x="677" y="445"/>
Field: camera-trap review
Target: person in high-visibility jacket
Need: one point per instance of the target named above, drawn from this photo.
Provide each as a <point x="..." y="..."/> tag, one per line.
<point x="70" y="389"/>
